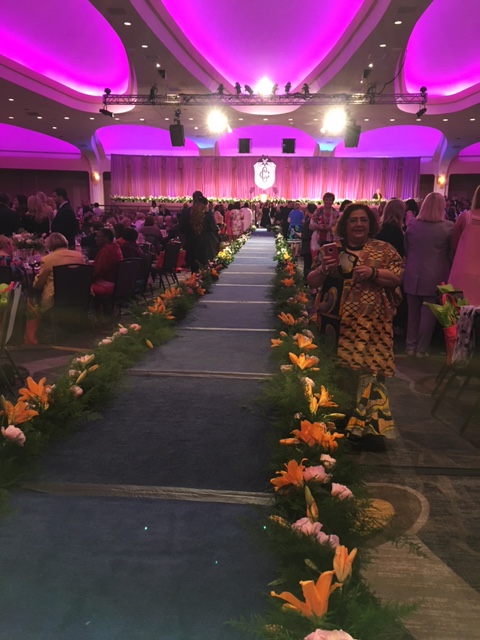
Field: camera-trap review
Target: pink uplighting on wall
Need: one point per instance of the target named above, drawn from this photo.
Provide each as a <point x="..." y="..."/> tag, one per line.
<point x="139" y="140"/>
<point x="437" y="59"/>
<point x="69" y="42"/>
<point x="15" y="141"/>
<point x="245" y="41"/>
<point x="266" y="141"/>
<point x="407" y="141"/>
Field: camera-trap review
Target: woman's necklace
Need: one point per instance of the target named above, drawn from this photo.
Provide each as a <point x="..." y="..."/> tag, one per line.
<point x="350" y="248"/>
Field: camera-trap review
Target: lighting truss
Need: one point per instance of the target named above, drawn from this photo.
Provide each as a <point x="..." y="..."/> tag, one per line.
<point x="245" y="100"/>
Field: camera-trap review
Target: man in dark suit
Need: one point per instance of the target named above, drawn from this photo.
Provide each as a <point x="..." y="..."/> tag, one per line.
<point x="65" y="221"/>
<point x="9" y="220"/>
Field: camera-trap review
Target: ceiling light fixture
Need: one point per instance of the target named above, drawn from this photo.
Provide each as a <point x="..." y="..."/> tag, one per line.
<point x="66" y="117"/>
<point x="335" y="121"/>
<point x="217" y="121"/>
<point x="54" y="127"/>
<point x="370" y="66"/>
<point x="92" y="118"/>
<point x="127" y="24"/>
<point x="264" y="87"/>
<point x="11" y="100"/>
<point x="383" y="45"/>
<point x="421" y="112"/>
<point x="144" y="46"/>
<point x="106" y="112"/>
<point x="10" y="117"/>
<point x="397" y="22"/>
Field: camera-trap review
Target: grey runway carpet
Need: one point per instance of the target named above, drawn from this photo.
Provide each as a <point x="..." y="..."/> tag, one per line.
<point x="80" y="565"/>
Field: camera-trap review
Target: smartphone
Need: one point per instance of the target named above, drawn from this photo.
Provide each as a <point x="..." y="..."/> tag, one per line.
<point x="331" y="250"/>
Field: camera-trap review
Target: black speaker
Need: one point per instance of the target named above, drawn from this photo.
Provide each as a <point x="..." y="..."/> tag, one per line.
<point x="352" y="135"/>
<point x="244" y="145"/>
<point x="177" y="135"/>
<point x="288" y="145"/>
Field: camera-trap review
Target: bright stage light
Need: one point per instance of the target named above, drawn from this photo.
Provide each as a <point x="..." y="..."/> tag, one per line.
<point x="217" y="122"/>
<point x="335" y="121"/>
<point x="264" y="87"/>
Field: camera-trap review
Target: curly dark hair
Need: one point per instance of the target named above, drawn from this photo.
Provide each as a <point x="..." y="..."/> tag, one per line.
<point x="341" y="228"/>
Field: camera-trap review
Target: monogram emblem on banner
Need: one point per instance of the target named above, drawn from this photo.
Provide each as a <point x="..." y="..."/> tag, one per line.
<point x="264" y="173"/>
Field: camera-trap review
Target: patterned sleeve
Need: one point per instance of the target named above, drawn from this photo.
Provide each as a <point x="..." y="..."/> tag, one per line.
<point x="392" y="260"/>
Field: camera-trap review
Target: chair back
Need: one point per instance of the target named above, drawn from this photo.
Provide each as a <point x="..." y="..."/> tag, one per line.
<point x="128" y="272"/>
<point x="145" y="269"/>
<point x="71" y="284"/>
<point x="5" y="274"/>
<point x="9" y="315"/>
<point x="172" y="251"/>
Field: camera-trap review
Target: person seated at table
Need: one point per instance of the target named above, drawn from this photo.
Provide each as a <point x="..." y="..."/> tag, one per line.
<point x="130" y="248"/>
<point x="152" y="233"/>
<point x="89" y="243"/>
<point x="105" y="264"/>
<point x="19" y="272"/>
<point x="59" y="254"/>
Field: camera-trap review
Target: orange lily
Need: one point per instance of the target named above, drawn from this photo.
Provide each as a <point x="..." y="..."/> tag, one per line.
<point x="293" y="475"/>
<point x="276" y="342"/>
<point x="287" y="318"/>
<point x="289" y="269"/>
<point x="316" y="596"/>
<point x="170" y="294"/>
<point x="314" y="433"/>
<point x="324" y="398"/>
<point x="312" y="508"/>
<point x="342" y="562"/>
<point x="302" y="361"/>
<point x="35" y="392"/>
<point x="302" y="297"/>
<point x="287" y="282"/>
<point x="18" y="413"/>
<point x="304" y="343"/>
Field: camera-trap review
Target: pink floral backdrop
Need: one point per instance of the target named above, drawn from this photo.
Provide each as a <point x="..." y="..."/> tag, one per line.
<point x="233" y="177"/>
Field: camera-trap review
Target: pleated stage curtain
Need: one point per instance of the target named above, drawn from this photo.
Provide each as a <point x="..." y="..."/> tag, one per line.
<point x="232" y="177"/>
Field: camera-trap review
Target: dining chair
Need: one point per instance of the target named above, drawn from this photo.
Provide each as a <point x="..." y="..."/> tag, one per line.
<point x="126" y="279"/>
<point x="467" y="371"/>
<point x="169" y="266"/>
<point x="7" y="324"/>
<point x="72" y="297"/>
<point x="5" y="274"/>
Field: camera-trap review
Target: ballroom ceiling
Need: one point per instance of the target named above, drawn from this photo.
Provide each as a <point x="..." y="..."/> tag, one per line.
<point x="57" y="58"/>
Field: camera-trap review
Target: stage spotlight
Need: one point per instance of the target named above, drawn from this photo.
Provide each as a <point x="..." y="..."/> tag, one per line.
<point x="177" y="116"/>
<point x="335" y="121"/>
<point x="107" y="91"/>
<point x="366" y="73"/>
<point x="288" y="86"/>
<point x="106" y="112"/>
<point x="249" y="89"/>
<point x="306" y="89"/>
<point x="274" y="89"/>
<point x="421" y="112"/>
<point x="423" y="90"/>
<point x="238" y="88"/>
<point x="220" y="89"/>
<point x="217" y="121"/>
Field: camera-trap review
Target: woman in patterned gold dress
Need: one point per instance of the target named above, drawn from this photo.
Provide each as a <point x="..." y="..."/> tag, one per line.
<point x="359" y="293"/>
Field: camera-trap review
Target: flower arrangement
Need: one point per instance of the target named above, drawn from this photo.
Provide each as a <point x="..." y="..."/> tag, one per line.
<point x="322" y="519"/>
<point x="28" y="241"/>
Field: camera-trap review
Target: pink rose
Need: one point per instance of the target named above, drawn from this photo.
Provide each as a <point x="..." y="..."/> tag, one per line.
<point x="105" y="341"/>
<point x="337" y="634"/>
<point x="72" y="373"/>
<point x="341" y="491"/>
<point x="14" y="434"/>
<point x="327" y="461"/>
<point x="76" y="390"/>
<point x="135" y="327"/>
<point x="317" y="474"/>
<point x="309" y="528"/>
<point x="122" y="331"/>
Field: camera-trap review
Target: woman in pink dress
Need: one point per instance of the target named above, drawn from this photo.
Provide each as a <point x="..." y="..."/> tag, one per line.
<point x="465" y="243"/>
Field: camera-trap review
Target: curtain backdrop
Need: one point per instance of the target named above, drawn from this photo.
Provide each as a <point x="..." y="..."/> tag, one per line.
<point x="233" y="177"/>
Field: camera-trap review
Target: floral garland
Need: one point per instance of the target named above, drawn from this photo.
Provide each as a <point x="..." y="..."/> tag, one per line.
<point x="259" y="198"/>
<point x="45" y="411"/>
<point x="322" y="518"/>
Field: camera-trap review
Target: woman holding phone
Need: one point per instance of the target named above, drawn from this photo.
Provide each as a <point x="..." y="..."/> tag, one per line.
<point x="359" y="280"/>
